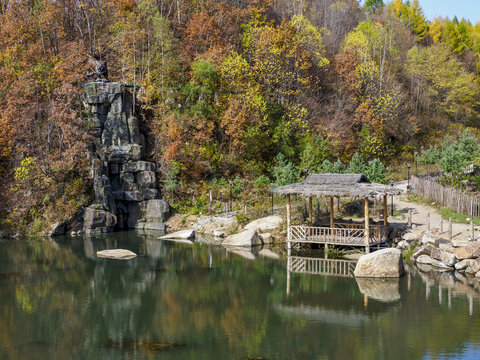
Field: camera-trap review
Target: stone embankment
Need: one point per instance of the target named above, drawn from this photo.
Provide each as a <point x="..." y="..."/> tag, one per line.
<point x="431" y="249"/>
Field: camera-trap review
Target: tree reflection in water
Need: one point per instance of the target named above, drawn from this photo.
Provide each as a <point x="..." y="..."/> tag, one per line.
<point x="58" y="301"/>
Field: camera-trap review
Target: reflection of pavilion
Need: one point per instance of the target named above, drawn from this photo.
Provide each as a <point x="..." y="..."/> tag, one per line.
<point x="337" y="233"/>
<point x="384" y="290"/>
<point x="321" y="266"/>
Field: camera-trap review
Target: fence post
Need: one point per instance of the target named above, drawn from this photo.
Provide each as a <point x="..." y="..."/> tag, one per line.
<point x="450" y="228"/>
<point x="410" y="218"/>
<point x="428" y="221"/>
<point x="441" y="225"/>
<point x="473" y="230"/>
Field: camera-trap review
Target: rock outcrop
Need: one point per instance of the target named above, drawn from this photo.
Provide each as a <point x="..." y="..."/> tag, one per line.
<point x="386" y="263"/>
<point x="125" y="184"/>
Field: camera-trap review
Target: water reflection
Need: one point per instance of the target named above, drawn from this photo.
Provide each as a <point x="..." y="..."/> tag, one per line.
<point x="58" y="301"/>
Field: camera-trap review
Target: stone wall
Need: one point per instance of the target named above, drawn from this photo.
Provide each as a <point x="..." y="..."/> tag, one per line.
<point x="125" y="184"/>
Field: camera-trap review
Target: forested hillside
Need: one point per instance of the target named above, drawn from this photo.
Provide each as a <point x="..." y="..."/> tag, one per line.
<point x="229" y="89"/>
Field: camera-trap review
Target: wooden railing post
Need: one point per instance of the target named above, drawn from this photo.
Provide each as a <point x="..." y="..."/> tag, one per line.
<point x="289" y="230"/>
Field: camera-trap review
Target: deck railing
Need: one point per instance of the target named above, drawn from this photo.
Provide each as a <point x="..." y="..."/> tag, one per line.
<point x="307" y="265"/>
<point x="341" y="234"/>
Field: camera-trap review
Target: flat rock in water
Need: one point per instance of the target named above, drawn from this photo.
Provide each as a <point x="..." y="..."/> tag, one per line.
<point x="119" y="254"/>
<point x="183" y="234"/>
<point x="265" y="224"/>
<point x="386" y="263"/>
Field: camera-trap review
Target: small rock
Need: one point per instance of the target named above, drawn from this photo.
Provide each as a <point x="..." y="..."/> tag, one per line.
<point x="477" y="274"/>
<point x="403" y="245"/>
<point x="381" y="263"/>
<point x="267" y="238"/>
<point x="118" y="254"/>
<point x="73" y="233"/>
<point x="428" y="238"/>
<point x="411" y="236"/>
<point x="245" y="238"/>
<point x="183" y="234"/>
<point x="219" y="233"/>
<point x="462" y="265"/>
<point x="445" y="257"/>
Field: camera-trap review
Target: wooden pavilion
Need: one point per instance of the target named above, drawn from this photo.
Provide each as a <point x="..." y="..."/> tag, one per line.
<point x="338" y="233"/>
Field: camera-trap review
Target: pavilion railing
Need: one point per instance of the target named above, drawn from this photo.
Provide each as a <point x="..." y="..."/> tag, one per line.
<point x="341" y="234"/>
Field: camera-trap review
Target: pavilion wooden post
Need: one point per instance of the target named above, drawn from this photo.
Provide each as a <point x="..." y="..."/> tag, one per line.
<point x="385" y="211"/>
<point x="289" y="232"/>
<point x="310" y="215"/>
<point x="367" y="227"/>
<point x="332" y="224"/>
<point x="385" y="218"/>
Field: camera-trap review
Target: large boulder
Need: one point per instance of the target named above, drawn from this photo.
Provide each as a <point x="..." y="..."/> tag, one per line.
<point x="118" y="254"/>
<point x="382" y="263"/>
<point x="245" y="238"/>
<point x="471" y="251"/>
<point x="265" y="224"/>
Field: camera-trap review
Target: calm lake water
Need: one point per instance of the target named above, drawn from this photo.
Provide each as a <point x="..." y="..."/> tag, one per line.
<point x="181" y="301"/>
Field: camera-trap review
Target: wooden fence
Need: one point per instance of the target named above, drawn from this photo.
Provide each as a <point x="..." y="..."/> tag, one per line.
<point x="462" y="203"/>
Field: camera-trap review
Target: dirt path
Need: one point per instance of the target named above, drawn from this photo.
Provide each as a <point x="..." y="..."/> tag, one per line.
<point x="420" y="215"/>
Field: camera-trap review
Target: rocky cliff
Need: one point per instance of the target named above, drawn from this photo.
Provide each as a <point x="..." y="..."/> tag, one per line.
<point x="125" y="185"/>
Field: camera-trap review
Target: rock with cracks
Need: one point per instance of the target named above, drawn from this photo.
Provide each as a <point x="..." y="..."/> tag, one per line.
<point x="386" y="263"/>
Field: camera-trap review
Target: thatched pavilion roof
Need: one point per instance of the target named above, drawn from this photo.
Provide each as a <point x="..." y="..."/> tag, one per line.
<point x="338" y="185"/>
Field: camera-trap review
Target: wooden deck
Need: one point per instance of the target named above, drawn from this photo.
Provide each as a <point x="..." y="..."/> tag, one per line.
<point x="318" y="266"/>
<point x="346" y="234"/>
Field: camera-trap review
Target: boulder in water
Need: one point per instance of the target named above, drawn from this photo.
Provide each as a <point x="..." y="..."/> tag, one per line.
<point x="382" y="263"/>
